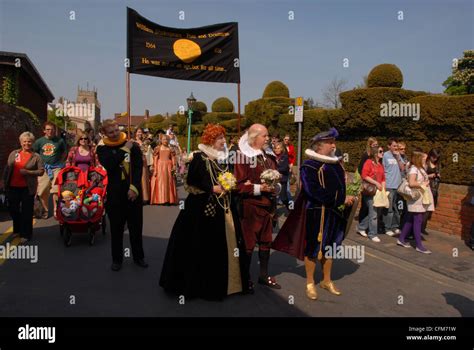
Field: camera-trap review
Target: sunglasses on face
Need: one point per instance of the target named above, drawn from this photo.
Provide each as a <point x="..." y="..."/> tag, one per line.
<point x="84" y="138"/>
<point x="381" y="151"/>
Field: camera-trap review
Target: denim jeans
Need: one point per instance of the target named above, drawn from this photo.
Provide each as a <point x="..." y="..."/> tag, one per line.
<point x="391" y="215"/>
<point x="369" y="222"/>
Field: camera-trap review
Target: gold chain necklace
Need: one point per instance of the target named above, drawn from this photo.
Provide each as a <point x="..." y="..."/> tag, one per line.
<point x="225" y="197"/>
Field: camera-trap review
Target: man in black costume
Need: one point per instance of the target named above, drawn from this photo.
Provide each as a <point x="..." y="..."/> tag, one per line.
<point x="123" y="161"/>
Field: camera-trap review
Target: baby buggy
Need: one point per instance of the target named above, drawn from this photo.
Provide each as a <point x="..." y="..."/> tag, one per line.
<point x="81" y="202"/>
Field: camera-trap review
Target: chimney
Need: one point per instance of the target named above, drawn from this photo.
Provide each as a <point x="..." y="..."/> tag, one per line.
<point x="147" y="114"/>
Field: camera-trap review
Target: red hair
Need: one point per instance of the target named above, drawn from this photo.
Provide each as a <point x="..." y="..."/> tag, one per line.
<point x="211" y="133"/>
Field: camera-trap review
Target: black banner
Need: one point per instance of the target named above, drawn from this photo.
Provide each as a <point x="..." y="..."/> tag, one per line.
<point x="208" y="53"/>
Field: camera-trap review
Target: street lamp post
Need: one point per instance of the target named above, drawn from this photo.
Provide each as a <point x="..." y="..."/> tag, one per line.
<point x="190" y="100"/>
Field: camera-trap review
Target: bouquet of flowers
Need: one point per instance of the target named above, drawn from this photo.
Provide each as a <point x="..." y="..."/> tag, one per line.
<point x="227" y="180"/>
<point x="270" y="177"/>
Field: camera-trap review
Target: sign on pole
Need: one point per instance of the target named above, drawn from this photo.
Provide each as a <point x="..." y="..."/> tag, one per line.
<point x="299" y="110"/>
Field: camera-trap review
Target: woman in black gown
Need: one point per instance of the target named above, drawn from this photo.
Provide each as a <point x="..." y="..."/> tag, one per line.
<point x="206" y="256"/>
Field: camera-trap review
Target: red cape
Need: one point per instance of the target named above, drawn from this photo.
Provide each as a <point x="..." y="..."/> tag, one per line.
<point x="292" y="237"/>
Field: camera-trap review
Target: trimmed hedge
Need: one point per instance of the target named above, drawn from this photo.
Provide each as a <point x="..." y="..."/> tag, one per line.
<point x="451" y="172"/>
<point x="363" y="107"/>
<point x="385" y="75"/>
<point x="276" y="89"/>
<point x="200" y="107"/>
<point x="268" y="110"/>
<point x="215" y="117"/>
<point x="445" y="117"/>
<point x="222" y="104"/>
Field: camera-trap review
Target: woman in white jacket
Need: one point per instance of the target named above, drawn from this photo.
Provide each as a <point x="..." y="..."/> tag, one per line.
<point x="418" y="181"/>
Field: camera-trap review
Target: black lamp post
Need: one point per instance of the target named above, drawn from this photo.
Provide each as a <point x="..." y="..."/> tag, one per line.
<point x="190" y="100"/>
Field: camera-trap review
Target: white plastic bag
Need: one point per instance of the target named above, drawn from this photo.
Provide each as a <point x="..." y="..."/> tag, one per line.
<point x="381" y="199"/>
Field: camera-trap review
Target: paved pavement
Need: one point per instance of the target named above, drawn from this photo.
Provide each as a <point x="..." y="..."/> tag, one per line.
<point x="77" y="281"/>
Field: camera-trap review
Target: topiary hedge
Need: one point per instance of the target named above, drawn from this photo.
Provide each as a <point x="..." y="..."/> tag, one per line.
<point x="222" y="104"/>
<point x="276" y="89"/>
<point x="385" y="75"/>
<point x="445" y="118"/>
<point x="267" y="111"/>
<point x="363" y="107"/>
<point x="456" y="160"/>
<point x="215" y="117"/>
<point x="200" y="107"/>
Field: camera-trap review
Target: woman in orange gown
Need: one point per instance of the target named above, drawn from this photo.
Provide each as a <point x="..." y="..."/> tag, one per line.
<point x="163" y="183"/>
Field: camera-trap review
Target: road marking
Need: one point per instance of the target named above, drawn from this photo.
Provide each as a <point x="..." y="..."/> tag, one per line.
<point x="6" y="234"/>
<point x="13" y="243"/>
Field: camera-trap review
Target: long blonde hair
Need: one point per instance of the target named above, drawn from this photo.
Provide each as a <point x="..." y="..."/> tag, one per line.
<point x="416" y="158"/>
<point x="370" y="141"/>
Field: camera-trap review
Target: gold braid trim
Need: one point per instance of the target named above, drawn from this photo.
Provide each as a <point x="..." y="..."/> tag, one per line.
<point x="321" y="222"/>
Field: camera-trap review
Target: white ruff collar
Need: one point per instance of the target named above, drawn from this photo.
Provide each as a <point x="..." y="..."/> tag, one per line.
<point x="246" y="149"/>
<point x="212" y="152"/>
<point x="321" y="158"/>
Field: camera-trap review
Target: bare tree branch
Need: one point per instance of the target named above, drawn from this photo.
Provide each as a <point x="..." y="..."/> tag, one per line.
<point x="332" y="91"/>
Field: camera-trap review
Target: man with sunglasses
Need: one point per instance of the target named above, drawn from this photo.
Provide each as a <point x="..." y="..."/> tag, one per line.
<point x="52" y="150"/>
<point x="393" y="166"/>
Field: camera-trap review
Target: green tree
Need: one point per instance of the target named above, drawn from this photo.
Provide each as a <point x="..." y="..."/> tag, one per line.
<point x="461" y="82"/>
<point x="59" y="120"/>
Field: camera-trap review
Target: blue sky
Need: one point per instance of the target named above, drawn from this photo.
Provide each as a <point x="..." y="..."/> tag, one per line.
<point x="306" y="53"/>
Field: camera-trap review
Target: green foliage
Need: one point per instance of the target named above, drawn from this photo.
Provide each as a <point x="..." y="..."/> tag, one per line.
<point x="222" y="104"/>
<point x="158" y="118"/>
<point x="61" y="122"/>
<point x="201" y="107"/>
<point x="9" y="89"/>
<point x="276" y="89"/>
<point x="215" y="117"/>
<point x="155" y="123"/>
<point x="385" y="75"/>
<point x="454" y="87"/>
<point x="461" y="82"/>
<point x="268" y="110"/>
<point x="446" y="123"/>
<point x="363" y="110"/>
<point x="444" y="118"/>
<point x="231" y="126"/>
<point x="32" y="116"/>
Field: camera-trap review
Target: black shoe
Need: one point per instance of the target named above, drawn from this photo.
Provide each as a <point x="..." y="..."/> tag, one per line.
<point x="116" y="266"/>
<point x="141" y="263"/>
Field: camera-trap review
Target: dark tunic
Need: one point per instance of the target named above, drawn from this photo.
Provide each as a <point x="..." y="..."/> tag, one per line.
<point x="196" y="261"/>
<point x="323" y="185"/>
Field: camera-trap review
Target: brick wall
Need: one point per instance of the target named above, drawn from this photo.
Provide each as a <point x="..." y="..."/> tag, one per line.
<point x="12" y="123"/>
<point x="454" y="214"/>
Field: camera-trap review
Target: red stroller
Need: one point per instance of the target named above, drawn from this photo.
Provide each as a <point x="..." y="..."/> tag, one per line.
<point x="81" y="202"/>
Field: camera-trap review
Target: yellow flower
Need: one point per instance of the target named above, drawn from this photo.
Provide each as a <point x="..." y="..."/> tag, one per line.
<point x="227" y="181"/>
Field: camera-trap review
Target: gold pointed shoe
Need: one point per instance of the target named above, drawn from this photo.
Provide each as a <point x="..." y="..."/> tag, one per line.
<point x="330" y="287"/>
<point x="311" y="291"/>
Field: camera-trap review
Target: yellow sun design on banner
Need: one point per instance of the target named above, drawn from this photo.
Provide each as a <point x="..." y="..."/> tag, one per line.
<point x="186" y="50"/>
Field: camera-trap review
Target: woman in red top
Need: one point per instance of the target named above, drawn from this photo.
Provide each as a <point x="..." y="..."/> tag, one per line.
<point x="21" y="182"/>
<point x="374" y="173"/>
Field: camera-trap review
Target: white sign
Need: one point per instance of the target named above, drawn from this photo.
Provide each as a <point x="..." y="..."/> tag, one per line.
<point x="299" y="110"/>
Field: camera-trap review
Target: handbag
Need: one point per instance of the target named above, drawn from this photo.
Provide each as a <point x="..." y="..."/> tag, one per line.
<point x="407" y="192"/>
<point x="368" y="189"/>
